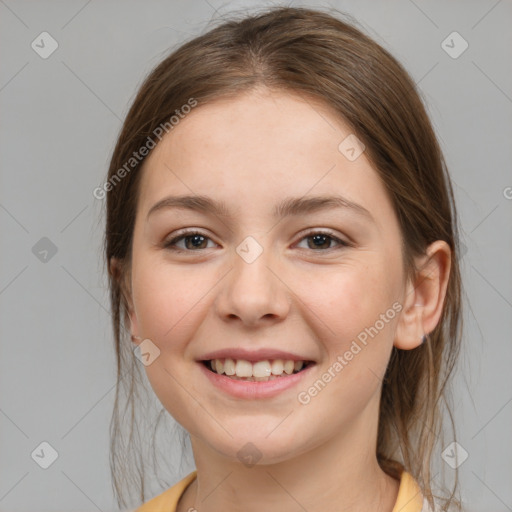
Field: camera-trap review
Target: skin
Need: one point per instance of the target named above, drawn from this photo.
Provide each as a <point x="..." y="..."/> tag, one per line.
<point x="251" y="152"/>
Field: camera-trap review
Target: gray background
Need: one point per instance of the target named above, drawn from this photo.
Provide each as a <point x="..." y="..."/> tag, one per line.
<point x="59" y="120"/>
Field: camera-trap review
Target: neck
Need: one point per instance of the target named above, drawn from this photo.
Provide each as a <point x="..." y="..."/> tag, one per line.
<point x="342" y="475"/>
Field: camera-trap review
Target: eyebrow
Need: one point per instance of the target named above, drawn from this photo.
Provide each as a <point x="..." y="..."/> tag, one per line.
<point x="288" y="207"/>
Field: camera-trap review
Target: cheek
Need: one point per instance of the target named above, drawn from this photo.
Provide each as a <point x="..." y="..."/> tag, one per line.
<point x="165" y="302"/>
<point x="354" y="314"/>
<point x="349" y="298"/>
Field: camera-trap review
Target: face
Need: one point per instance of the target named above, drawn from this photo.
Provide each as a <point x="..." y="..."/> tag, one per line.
<point x="259" y="282"/>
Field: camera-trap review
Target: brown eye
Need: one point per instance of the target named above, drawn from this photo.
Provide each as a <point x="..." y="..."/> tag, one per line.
<point x="320" y="241"/>
<point x="193" y="241"/>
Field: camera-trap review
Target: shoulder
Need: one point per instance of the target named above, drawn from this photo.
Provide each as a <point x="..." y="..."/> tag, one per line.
<point x="168" y="500"/>
<point x="411" y="499"/>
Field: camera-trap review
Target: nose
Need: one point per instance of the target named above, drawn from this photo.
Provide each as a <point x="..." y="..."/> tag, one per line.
<point x="253" y="291"/>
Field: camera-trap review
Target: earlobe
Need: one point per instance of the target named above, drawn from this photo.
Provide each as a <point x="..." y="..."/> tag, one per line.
<point x="115" y="268"/>
<point x="136" y="339"/>
<point x="424" y="299"/>
<point x="134" y="325"/>
<point x="120" y="274"/>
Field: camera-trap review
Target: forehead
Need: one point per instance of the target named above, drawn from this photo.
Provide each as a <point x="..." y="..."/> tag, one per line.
<point x="252" y="149"/>
<point x="275" y="127"/>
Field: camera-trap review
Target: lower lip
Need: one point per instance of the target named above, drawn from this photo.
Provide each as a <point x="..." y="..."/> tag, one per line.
<point x="249" y="390"/>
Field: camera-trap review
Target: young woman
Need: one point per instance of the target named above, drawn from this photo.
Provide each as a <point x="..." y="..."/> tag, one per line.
<point x="281" y="239"/>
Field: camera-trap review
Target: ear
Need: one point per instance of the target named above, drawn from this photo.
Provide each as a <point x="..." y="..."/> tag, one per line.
<point x="424" y="298"/>
<point x="123" y="277"/>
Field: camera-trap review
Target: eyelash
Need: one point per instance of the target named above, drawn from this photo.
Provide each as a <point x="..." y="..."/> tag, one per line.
<point x="185" y="234"/>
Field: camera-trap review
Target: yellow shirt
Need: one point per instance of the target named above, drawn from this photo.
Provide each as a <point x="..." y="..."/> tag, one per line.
<point x="409" y="497"/>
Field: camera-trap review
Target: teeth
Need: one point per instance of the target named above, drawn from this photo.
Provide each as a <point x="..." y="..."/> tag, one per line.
<point x="259" y="371"/>
<point x="277" y="367"/>
<point x="243" y="368"/>
<point x="288" y="367"/>
<point x="229" y="366"/>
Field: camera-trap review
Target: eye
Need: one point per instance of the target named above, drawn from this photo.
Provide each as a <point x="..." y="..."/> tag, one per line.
<point x="321" y="239"/>
<point x="195" y="241"/>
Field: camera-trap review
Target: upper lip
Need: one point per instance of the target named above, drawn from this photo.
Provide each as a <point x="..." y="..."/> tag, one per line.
<point x="261" y="354"/>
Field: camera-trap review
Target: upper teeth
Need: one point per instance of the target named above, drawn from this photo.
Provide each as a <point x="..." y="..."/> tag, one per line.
<point x="243" y="368"/>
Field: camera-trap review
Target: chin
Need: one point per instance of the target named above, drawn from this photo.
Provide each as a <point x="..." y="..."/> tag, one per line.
<point x="254" y="446"/>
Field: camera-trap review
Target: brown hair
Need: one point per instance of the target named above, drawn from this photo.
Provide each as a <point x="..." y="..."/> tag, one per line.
<point x="313" y="53"/>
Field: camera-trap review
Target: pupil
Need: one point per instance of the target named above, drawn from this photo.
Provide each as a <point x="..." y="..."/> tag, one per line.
<point x="318" y="238"/>
<point x="196" y="238"/>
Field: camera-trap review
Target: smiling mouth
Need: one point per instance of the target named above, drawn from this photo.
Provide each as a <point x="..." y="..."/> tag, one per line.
<point x="259" y="371"/>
